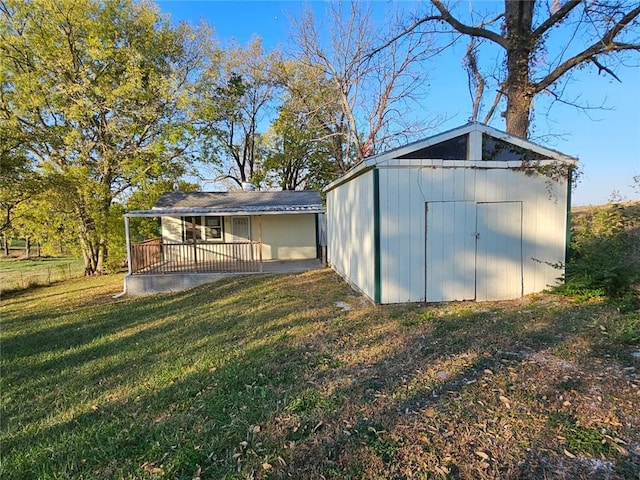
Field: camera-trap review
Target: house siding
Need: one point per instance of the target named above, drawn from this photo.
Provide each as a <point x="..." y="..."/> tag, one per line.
<point x="350" y="232"/>
<point x="287" y="237"/>
<point x="284" y="237"/>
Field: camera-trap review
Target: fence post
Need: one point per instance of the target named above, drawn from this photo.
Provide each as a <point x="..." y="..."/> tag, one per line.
<point x="48" y="275"/>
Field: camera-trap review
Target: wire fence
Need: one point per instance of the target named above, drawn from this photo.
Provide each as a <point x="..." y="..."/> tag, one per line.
<point x="45" y="275"/>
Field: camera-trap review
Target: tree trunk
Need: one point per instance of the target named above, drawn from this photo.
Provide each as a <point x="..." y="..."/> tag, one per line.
<point x="518" y="20"/>
<point x="6" y="246"/>
<point x="27" y="247"/>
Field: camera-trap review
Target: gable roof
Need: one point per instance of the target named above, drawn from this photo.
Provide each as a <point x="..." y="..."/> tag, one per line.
<point x="474" y="130"/>
<point x="234" y="203"/>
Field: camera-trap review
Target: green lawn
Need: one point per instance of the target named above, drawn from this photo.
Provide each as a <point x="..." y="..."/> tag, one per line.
<point x="265" y="377"/>
<point x="19" y="273"/>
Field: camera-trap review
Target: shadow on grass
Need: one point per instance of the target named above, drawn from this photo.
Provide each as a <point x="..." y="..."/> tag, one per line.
<point x="265" y="377"/>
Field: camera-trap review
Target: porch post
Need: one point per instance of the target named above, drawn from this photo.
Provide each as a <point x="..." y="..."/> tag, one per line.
<point x="128" y="237"/>
<point x="260" y="240"/>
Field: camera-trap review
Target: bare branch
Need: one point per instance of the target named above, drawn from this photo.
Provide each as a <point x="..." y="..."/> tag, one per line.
<point x="556" y="18"/>
<point x="603" y="68"/>
<point x="494" y="105"/>
<point x="475" y="78"/>
<point x="604" y="45"/>
<point x="467" y="29"/>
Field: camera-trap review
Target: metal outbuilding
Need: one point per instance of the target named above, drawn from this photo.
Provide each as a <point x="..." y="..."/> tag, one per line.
<point x="473" y="213"/>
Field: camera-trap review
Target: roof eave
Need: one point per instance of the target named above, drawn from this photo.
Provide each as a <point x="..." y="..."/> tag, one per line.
<point x="225" y="212"/>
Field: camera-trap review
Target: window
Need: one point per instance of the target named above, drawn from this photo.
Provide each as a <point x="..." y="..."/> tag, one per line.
<point x="452" y="149"/>
<point x="199" y="228"/>
<point x="213" y="228"/>
<point x="192" y="230"/>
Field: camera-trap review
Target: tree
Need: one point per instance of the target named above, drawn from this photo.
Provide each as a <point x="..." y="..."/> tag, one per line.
<point x="598" y="33"/>
<point x="374" y="91"/>
<point x="242" y="95"/>
<point x="99" y="90"/>
<point x="19" y="181"/>
<point x="293" y="157"/>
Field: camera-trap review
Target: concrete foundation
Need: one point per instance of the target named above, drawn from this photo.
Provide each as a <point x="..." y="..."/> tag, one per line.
<point x="149" y="284"/>
<point x="137" y="285"/>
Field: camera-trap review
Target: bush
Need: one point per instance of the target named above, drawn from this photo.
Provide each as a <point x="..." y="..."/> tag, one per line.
<point x="604" y="257"/>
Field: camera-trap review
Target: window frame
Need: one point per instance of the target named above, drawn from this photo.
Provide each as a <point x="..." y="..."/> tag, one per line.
<point x="199" y="224"/>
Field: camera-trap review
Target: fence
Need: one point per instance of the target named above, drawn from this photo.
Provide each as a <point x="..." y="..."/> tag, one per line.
<point x="154" y="256"/>
<point x="44" y="275"/>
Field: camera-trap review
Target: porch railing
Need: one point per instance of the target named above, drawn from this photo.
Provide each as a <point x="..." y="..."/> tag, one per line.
<point x="156" y="256"/>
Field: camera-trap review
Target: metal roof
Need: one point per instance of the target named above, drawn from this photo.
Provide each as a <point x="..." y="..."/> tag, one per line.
<point x="234" y="203"/>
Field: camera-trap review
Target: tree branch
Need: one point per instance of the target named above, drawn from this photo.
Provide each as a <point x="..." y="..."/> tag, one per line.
<point x="466" y="29"/>
<point x="603" y="45"/>
<point x="404" y="32"/>
<point x="555" y="18"/>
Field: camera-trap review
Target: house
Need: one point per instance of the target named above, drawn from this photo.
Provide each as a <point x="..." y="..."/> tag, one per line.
<point x="205" y="235"/>
<point x="470" y="214"/>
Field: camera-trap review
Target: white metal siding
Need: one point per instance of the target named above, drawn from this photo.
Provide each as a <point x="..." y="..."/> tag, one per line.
<point x="405" y="189"/>
<point x="350" y="243"/>
<point x="499" y="251"/>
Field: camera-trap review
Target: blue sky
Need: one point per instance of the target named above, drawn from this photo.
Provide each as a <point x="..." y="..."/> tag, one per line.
<point x="607" y="142"/>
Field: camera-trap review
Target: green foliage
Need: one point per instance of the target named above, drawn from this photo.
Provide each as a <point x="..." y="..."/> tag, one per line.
<point x="98" y="94"/>
<point x="294" y="157"/>
<point x="580" y="440"/>
<point x="237" y="96"/>
<point x="604" y="253"/>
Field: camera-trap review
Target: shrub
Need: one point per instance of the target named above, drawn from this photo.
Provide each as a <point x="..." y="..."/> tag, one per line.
<point x="604" y="253"/>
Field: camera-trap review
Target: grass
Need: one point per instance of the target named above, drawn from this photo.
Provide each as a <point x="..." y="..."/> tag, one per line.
<point x="265" y="377"/>
<point x="20" y="273"/>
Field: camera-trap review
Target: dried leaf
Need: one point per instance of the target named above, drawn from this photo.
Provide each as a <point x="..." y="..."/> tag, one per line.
<point x="488" y="372"/>
<point x="196" y="475"/>
<point x="568" y="453"/>
<point x="505" y="400"/>
<point x="482" y="455"/>
<point x="267" y="466"/>
<point x="622" y="451"/>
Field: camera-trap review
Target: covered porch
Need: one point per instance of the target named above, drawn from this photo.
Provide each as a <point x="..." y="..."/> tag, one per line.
<point x="208" y="235"/>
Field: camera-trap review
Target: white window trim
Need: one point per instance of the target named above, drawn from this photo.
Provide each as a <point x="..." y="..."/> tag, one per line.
<point x="203" y="228"/>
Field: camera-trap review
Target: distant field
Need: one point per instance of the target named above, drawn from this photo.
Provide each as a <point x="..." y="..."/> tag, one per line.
<point x="17" y="274"/>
